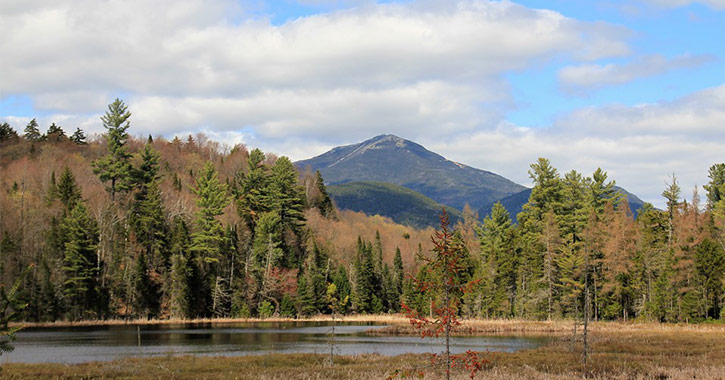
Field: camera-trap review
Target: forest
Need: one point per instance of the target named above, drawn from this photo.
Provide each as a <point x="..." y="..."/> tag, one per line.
<point x="122" y="227"/>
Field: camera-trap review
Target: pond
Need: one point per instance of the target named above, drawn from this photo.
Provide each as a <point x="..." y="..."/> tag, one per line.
<point x="103" y="343"/>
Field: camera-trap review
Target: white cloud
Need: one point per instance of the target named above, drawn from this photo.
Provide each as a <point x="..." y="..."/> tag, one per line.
<point x="583" y="78"/>
<point x="715" y="4"/>
<point x="376" y="65"/>
<point x="639" y="146"/>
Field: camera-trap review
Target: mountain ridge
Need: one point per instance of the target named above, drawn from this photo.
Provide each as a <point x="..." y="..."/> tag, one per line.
<point x="392" y="159"/>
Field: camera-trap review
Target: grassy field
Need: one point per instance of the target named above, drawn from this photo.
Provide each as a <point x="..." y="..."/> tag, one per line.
<point x="618" y="351"/>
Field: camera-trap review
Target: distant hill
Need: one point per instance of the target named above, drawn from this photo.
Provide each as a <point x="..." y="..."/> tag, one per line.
<point x="391" y="159"/>
<point x="515" y="202"/>
<point x="402" y="205"/>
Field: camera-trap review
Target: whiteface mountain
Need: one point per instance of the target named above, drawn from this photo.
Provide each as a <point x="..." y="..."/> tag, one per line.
<point x="391" y="159"/>
<point x="390" y="176"/>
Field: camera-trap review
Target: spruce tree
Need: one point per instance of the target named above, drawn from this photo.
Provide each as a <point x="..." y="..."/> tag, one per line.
<point x="78" y="137"/>
<point x="252" y="196"/>
<point x="179" y="292"/>
<point x="79" y="263"/>
<point x="499" y="261"/>
<point x="7" y="133"/>
<point x="66" y="190"/>
<point x="32" y="133"/>
<point x="115" y="166"/>
<point x="398" y="277"/>
<point x="55" y="133"/>
<point x="324" y="202"/>
<point x="148" y="219"/>
<point x="212" y="199"/>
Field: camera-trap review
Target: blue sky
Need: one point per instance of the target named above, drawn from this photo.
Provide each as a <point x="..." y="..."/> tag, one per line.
<point x="634" y="87"/>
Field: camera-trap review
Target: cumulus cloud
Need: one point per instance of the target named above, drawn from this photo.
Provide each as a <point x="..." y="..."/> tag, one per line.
<point x="639" y="146"/>
<point x="204" y="64"/>
<point x="432" y="71"/>
<point x="583" y="78"/>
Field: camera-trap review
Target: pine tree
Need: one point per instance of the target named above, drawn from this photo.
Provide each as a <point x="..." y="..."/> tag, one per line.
<point x="715" y="187"/>
<point x="398" y="277"/>
<point x="710" y="265"/>
<point x="79" y="263"/>
<point x="148" y="219"/>
<point x="7" y="133"/>
<point x="499" y="259"/>
<point x="323" y="201"/>
<point x="78" y="137"/>
<point x="55" y="133"/>
<point x="672" y="195"/>
<point x="66" y="190"/>
<point x="32" y="133"/>
<point x="342" y="285"/>
<point x="287" y="199"/>
<point x="213" y="198"/>
<point x="115" y="166"/>
<point x="178" y="288"/>
<point x="364" y="293"/>
<point x="141" y="287"/>
<point x="252" y="198"/>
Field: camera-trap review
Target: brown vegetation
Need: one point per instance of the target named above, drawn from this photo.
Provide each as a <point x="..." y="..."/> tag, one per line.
<point x="619" y="351"/>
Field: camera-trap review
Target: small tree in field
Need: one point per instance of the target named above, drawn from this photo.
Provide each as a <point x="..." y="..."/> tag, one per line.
<point x="445" y="286"/>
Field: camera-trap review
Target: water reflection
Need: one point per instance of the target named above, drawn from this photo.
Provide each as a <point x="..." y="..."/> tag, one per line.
<point x="101" y="343"/>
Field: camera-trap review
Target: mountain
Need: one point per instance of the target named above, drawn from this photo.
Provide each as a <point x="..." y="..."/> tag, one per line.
<point x="401" y="204"/>
<point x="391" y="159"/>
<point x="515" y="202"/>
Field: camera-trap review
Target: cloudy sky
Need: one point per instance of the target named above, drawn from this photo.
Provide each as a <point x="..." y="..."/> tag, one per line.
<point x="634" y="87"/>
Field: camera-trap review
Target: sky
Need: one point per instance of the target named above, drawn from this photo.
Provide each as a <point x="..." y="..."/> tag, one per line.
<point x="634" y="87"/>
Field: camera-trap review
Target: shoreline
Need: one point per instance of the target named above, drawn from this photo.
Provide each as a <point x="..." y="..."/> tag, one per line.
<point x="399" y="324"/>
<point x="636" y="351"/>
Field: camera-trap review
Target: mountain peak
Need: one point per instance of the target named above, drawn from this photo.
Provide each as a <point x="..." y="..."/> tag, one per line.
<point x="392" y="159"/>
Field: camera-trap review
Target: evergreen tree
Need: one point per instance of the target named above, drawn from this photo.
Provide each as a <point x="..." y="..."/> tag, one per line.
<point x="498" y="262"/>
<point x="212" y="199"/>
<point x="148" y="219"/>
<point x="7" y="133"/>
<point x="287" y="198"/>
<point x="710" y="265"/>
<point x="323" y="201"/>
<point x="398" y="277"/>
<point x="672" y="195"/>
<point x="78" y="137"/>
<point x="342" y="284"/>
<point x="363" y="296"/>
<point x="67" y="191"/>
<point x="141" y="288"/>
<point x="32" y="133"/>
<point x="179" y="292"/>
<point x="602" y="192"/>
<point x="79" y="263"/>
<point x="252" y="198"/>
<point x="715" y="187"/>
<point x="55" y="133"/>
<point x="115" y="166"/>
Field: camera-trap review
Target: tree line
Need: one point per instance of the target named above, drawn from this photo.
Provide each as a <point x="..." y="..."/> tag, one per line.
<point x="150" y="228"/>
<point x="577" y="251"/>
<point x="174" y="242"/>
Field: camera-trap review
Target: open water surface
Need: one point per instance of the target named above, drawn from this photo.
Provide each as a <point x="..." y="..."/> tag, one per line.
<point x="103" y="343"/>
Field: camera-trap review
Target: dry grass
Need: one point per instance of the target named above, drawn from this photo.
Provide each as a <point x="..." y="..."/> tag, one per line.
<point x="379" y="319"/>
<point x="619" y="351"/>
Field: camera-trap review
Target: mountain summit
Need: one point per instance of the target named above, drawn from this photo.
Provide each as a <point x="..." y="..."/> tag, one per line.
<point x="389" y="158"/>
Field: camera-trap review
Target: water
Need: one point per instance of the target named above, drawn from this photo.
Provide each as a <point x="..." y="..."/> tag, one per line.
<point x="103" y="343"/>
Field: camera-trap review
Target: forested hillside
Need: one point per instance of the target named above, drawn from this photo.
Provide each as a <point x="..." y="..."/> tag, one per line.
<point x="121" y="227"/>
<point x="403" y="205"/>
